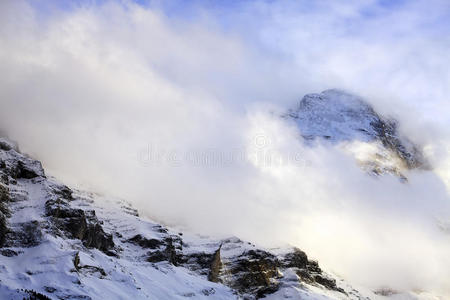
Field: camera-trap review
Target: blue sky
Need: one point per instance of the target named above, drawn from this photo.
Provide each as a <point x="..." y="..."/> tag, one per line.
<point x="364" y="19"/>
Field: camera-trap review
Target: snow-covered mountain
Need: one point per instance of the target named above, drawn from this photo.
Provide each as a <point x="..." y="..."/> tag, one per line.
<point x="337" y="117"/>
<point x="61" y="243"/>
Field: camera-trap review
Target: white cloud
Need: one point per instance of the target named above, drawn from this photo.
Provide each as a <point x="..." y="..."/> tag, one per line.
<point x="93" y="90"/>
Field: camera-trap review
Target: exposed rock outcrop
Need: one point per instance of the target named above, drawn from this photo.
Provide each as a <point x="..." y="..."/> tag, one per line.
<point x="170" y="250"/>
<point x="254" y="272"/>
<point x="79" y="224"/>
<point x="308" y="270"/>
<point x="145" y="243"/>
<point x="4" y="212"/>
<point x="215" y="266"/>
<point x="26" y="234"/>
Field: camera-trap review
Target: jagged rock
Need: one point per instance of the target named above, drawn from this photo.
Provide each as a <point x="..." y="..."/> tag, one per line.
<point x="8" y="252"/>
<point x="313" y="267"/>
<point x="253" y="272"/>
<point x="4" y="212"/>
<point x="33" y="295"/>
<point x="4" y="145"/>
<point x="23" y="171"/>
<point x="4" y="178"/>
<point x="4" y="197"/>
<point x="27" y="234"/>
<point x="64" y="192"/>
<point x="96" y="237"/>
<point x="75" y="222"/>
<point x="295" y="259"/>
<point x="145" y="243"/>
<point x="3" y="229"/>
<point x="171" y="252"/>
<point x="68" y="219"/>
<point x="76" y="261"/>
<point x="308" y="270"/>
<point x="327" y="282"/>
<point x="387" y="133"/>
<point x="157" y="256"/>
<point x="199" y="262"/>
<point x="215" y="266"/>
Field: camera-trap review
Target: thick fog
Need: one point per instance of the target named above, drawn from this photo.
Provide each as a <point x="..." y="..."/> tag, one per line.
<point x="175" y="107"/>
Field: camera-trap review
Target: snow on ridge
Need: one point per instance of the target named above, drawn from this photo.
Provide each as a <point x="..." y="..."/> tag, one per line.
<point x="340" y="118"/>
<point x="335" y="115"/>
<point x="67" y="244"/>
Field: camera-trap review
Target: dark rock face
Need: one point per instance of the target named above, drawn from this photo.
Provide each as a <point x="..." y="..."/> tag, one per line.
<point x="5" y="146"/>
<point x="201" y="263"/>
<point x="308" y="270"/>
<point x="3" y="229"/>
<point x="33" y="295"/>
<point x="253" y="272"/>
<point x="64" y="192"/>
<point x="4" y="198"/>
<point x="296" y="259"/>
<point x="169" y="248"/>
<point x="68" y="219"/>
<point x="96" y="237"/>
<point x="145" y="243"/>
<point x="28" y="234"/>
<point x="4" y="212"/>
<point x="172" y="252"/>
<point x="22" y="171"/>
<point x="215" y="266"/>
<point x="329" y="283"/>
<point x="20" y="167"/>
<point x="388" y="135"/>
<point x="8" y="252"/>
<point x="76" y="224"/>
<point x="258" y="272"/>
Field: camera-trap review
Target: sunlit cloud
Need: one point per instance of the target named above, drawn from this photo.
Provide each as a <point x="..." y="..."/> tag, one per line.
<point x="175" y="107"/>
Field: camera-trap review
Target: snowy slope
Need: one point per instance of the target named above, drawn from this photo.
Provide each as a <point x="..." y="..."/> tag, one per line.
<point x="61" y="243"/>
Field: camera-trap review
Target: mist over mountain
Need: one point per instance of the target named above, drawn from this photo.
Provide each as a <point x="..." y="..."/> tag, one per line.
<point x="322" y="126"/>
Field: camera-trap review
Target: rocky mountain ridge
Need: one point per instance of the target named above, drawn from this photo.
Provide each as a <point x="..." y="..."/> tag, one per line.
<point x="61" y="243"/>
<point x="337" y="117"/>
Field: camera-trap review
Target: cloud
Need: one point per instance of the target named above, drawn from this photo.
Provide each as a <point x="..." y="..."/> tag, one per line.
<point x="172" y="111"/>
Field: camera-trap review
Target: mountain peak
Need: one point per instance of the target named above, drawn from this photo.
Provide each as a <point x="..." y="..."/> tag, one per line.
<point x="340" y="117"/>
